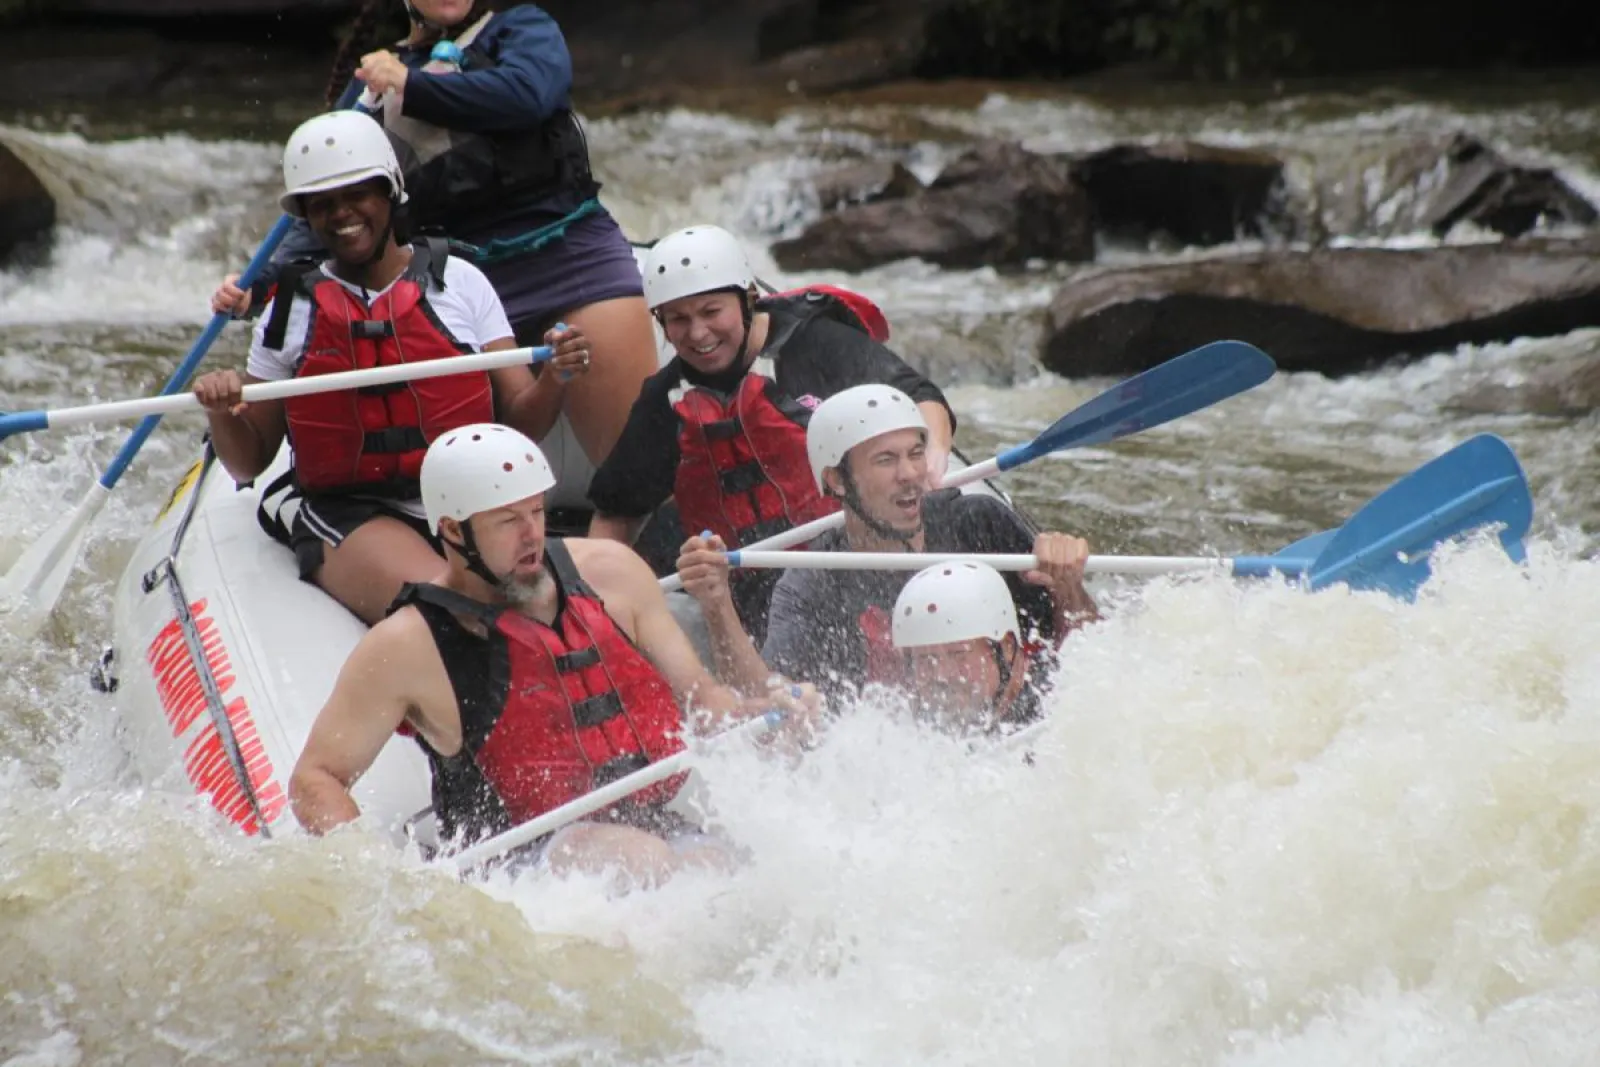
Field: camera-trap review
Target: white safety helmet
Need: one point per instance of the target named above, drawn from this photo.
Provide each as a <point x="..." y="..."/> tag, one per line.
<point x="479" y="468"/>
<point x="335" y="150"/>
<point x="852" y="416"/>
<point x="955" y="601"/>
<point x="701" y="259"/>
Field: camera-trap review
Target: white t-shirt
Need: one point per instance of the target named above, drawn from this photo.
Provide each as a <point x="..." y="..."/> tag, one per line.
<point x="468" y="307"/>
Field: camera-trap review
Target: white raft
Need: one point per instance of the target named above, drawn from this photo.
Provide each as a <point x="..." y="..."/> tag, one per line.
<point x="222" y="657"/>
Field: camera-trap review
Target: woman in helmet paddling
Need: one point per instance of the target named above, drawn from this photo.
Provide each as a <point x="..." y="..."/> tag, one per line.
<point x="868" y="450"/>
<point x="722" y="427"/>
<point x="359" y="532"/>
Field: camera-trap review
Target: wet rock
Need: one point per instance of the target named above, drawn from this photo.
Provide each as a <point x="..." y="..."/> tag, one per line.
<point x="1482" y="186"/>
<point x="1434" y="184"/>
<point x="997" y="205"/>
<point x="27" y="211"/>
<point x="1195" y="194"/>
<point x="840" y="65"/>
<point x="1567" y="391"/>
<point x="865" y="183"/>
<point x="1331" y="310"/>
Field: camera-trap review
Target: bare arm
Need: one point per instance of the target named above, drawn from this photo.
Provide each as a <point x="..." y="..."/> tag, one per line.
<point x="532" y="402"/>
<point x="939" y="429"/>
<point x="614" y="527"/>
<point x="634" y="598"/>
<point x="703" y="566"/>
<point x="246" y="437"/>
<point x="370" y="700"/>
<point x="1061" y="563"/>
<point x="940" y="435"/>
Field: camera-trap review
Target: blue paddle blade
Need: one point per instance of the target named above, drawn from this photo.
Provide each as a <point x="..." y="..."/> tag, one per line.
<point x="1178" y="387"/>
<point x="1292" y="561"/>
<point x="1305" y="550"/>
<point x="1386" y="544"/>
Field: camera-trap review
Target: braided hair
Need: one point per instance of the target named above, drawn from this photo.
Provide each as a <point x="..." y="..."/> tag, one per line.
<point x="363" y="31"/>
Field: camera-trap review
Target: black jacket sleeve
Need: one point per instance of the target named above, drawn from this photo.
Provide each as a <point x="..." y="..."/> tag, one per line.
<point x="638" y="474"/>
<point x="824" y="357"/>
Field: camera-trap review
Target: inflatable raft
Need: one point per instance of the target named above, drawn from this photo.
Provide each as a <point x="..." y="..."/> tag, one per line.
<point x="222" y="657"/>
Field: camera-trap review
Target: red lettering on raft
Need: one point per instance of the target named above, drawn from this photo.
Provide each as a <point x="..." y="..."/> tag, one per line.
<point x="183" y="698"/>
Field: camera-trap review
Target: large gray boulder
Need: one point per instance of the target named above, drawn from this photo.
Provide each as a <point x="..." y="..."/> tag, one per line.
<point x="1191" y="193"/>
<point x="1331" y="310"/>
<point x="27" y="212"/>
<point x="997" y="205"/>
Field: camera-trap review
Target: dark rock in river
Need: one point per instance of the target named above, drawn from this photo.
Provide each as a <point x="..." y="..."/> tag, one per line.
<point x="1331" y="310"/>
<point x="998" y="205"/>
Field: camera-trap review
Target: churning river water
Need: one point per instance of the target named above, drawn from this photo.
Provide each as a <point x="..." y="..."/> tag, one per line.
<point x="1263" y="827"/>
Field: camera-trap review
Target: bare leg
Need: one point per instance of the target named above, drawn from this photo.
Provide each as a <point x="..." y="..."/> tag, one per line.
<point x="368" y="568"/>
<point x="642" y="858"/>
<point x="593" y="848"/>
<point x="625" y="354"/>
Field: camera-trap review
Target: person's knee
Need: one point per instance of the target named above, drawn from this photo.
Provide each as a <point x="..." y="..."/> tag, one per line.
<point x="589" y="848"/>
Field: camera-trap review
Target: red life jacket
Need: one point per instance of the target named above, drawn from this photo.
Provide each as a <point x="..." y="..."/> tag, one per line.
<point x="885" y="664"/>
<point x="742" y="466"/>
<point x="891" y="666"/>
<point x="576" y="707"/>
<point x="372" y="440"/>
<point x="841" y="305"/>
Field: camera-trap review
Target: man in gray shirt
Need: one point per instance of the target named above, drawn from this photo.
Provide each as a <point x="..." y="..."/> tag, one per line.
<point x="867" y="447"/>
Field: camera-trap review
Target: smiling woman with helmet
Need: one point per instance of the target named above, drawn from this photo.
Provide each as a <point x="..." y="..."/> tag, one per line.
<point x="358" y="531"/>
<point x="722" y="428"/>
<point x="477" y="99"/>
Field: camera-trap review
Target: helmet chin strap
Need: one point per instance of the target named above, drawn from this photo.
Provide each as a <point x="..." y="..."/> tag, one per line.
<point x="468" y="547"/>
<point x="852" y="501"/>
<point x="1005" y="667"/>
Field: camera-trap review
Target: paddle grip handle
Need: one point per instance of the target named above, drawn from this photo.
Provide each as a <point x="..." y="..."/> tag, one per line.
<point x="23" y="422"/>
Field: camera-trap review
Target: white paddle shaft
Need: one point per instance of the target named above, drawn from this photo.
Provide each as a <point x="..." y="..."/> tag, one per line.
<point x="915" y="561"/>
<point x="292" y="387"/>
<point x="606" y="795"/>
<point x="799" y="535"/>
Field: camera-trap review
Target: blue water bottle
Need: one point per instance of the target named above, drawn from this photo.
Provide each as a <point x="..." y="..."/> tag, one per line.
<point x="449" y="52"/>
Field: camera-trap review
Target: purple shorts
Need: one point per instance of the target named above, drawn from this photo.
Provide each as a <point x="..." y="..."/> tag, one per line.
<point x="591" y="263"/>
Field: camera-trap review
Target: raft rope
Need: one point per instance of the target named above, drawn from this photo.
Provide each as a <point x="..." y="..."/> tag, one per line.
<point x="503" y="248"/>
<point x="166" y="572"/>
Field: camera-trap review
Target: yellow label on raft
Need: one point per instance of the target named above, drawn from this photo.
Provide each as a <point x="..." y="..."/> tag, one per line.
<point x="185" y="484"/>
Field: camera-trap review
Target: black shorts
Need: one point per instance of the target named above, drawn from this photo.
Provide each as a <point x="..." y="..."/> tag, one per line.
<point x="325" y="521"/>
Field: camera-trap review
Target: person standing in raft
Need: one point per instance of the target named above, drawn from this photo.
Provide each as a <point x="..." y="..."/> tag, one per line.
<point x="533" y="672"/>
<point x="722" y="427"/>
<point x="359" y="532"/>
<point x="478" y="98"/>
<point x="867" y="449"/>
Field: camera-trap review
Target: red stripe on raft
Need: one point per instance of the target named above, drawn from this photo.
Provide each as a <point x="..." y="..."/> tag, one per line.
<point x="183" y="699"/>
